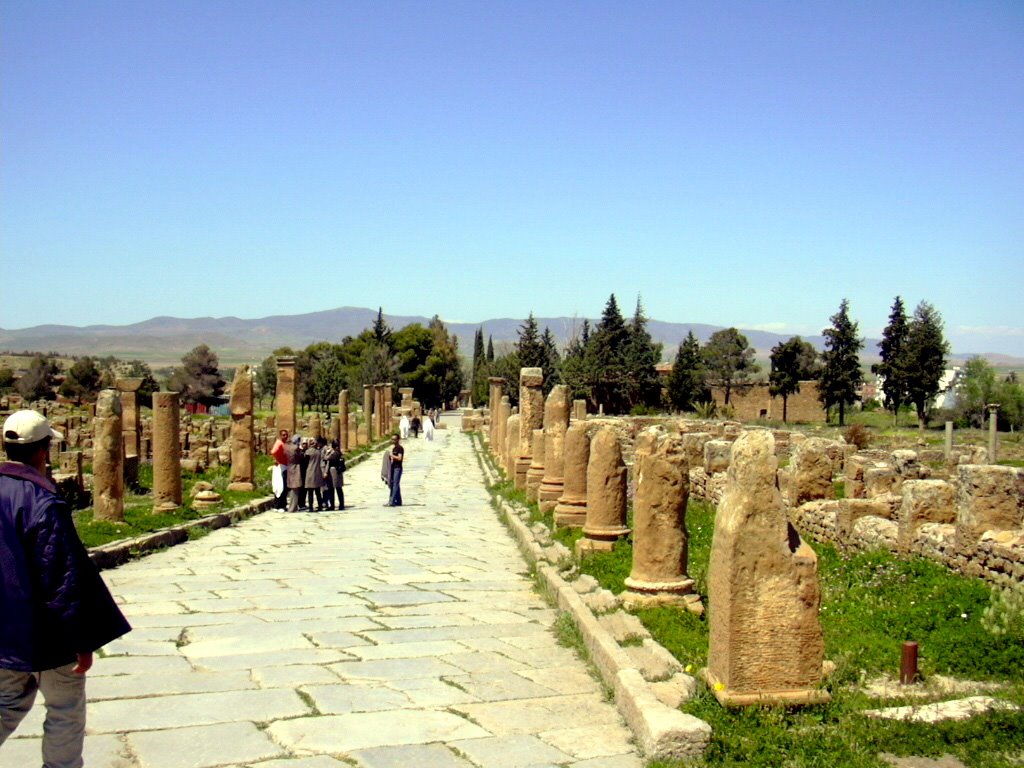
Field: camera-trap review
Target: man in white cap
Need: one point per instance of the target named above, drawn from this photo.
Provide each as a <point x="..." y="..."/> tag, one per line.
<point x="56" y="609"/>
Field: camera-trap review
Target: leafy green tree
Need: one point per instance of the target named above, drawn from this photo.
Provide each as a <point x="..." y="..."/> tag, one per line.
<point x="38" y="382"/>
<point x="729" y="360"/>
<point x="793" y="361"/>
<point x="265" y="378"/>
<point x="686" y="387"/>
<point x="327" y="379"/>
<point x="840" y="371"/>
<point x="1010" y="396"/>
<point x="198" y="379"/>
<point x="975" y="386"/>
<point x="443" y="378"/>
<point x="376" y="365"/>
<point x="925" y="354"/>
<point x="642" y="355"/>
<point x="82" y="382"/>
<point x="6" y="378"/>
<point x="413" y="346"/>
<point x="893" y="368"/>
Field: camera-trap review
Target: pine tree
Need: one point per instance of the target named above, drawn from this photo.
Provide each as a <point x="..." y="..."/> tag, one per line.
<point x="490" y="349"/>
<point x="729" y="359"/>
<point x="529" y="347"/>
<point x="925" y="355"/>
<point x="686" y="385"/>
<point x="840" y="372"/>
<point x="552" y="360"/>
<point x="641" y="357"/>
<point x="893" y="368"/>
<point x="605" y="360"/>
<point x="381" y="330"/>
<point x="82" y="381"/>
<point x="793" y="361"/>
<point x="198" y="379"/>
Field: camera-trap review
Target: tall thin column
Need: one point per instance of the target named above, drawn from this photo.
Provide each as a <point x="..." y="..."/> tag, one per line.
<point x="343" y="419"/>
<point x="284" y="398"/>
<point x="496" y="386"/>
<point x="389" y="403"/>
<point x="556" y="422"/>
<point x="130" y="427"/>
<point x="108" y="458"/>
<point x="606" y="494"/>
<point x="166" y="452"/>
<point x="993" y="414"/>
<point x="368" y="411"/>
<point x="243" y="442"/>
<point x="531" y="417"/>
<point x="571" y="509"/>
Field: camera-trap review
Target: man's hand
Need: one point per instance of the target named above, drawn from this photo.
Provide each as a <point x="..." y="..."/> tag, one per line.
<point x="84" y="663"/>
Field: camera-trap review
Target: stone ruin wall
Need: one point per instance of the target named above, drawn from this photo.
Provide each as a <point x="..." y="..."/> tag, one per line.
<point x="756" y="402"/>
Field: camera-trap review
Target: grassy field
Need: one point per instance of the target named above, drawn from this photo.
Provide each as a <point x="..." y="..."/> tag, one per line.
<point x="871" y="603"/>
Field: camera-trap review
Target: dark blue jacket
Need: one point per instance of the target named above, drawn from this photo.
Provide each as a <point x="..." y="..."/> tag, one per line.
<point x="53" y="603"/>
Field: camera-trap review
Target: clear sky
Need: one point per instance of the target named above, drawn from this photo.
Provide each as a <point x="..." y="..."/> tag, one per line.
<point x="733" y="163"/>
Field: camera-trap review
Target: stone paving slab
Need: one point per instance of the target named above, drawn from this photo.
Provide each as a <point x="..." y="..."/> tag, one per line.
<point x="373" y="637"/>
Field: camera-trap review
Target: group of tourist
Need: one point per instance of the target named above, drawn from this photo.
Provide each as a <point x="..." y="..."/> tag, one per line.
<point x="307" y="472"/>
<point x="411" y="427"/>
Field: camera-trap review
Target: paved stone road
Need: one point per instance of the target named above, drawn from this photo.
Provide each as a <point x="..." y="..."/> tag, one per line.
<point x="374" y="637"/>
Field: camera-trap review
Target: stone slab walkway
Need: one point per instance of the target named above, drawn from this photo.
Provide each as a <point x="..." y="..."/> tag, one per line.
<point x="376" y="637"/>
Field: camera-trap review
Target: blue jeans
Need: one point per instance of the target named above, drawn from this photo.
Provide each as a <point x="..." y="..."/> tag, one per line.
<point x="395" y="500"/>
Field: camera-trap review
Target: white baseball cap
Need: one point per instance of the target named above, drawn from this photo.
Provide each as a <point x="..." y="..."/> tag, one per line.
<point x="23" y="427"/>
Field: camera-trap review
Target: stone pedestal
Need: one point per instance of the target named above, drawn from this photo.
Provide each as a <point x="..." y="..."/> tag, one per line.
<point x="128" y="388"/>
<point x="658" y="575"/>
<point x="108" y="458"/>
<point x="606" y="494"/>
<point x="284" y="397"/>
<point x="535" y="474"/>
<point x="556" y="422"/>
<point x="531" y="417"/>
<point x="166" y="452"/>
<point x="579" y="410"/>
<point x="571" y="508"/>
<point x="765" y="638"/>
<point x="243" y="445"/>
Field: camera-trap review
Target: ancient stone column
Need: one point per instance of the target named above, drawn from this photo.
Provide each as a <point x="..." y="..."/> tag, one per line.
<point x="948" y="448"/>
<point x="388" y="408"/>
<point x="243" y="445"/>
<point x="535" y="474"/>
<point x="368" y="410"/>
<point x="579" y="409"/>
<point x="531" y="417"/>
<point x="343" y="419"/>
<point x="108" y="458"/>
<point x="765" y="638"/>
<point x="498" y="446"/>
<point x="284" y="397"/>
<point x="166" y="452"/>
<point x="496" y="386"/>
<point x="511" y="445"/>
<point x="380" y="424"/>
<point x="571" y="509"/>
<point x="606" y="494"/>
<point x="658" y="575"/>
<point x="353" y="432"/>
<point x="993" y="414"/>
<point x="130" y="426"/>
<point x="406" y="394"/>
<point x="316" y="426"/>
<point x="556" y="422"/>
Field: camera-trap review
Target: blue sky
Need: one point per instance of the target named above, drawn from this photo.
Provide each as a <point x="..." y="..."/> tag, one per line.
<point x="744" y="164"/>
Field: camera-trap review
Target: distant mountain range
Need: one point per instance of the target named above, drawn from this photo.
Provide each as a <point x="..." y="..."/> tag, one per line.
<point x="163" y="340"/>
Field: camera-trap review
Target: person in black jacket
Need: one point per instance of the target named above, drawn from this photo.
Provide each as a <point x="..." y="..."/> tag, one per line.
<point x="56" y="609"/>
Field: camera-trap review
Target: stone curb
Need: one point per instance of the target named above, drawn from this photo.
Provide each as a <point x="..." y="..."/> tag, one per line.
<point x="662" y="732"/>
<point x="120" y="552"/>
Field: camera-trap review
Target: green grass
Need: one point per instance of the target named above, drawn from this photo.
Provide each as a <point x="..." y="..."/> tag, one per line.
<point x="871" y="603"/>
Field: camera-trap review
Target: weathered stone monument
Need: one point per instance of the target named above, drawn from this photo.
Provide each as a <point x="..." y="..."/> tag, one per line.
<point x="579" y="410"/>
<point x="765" y="640"/>
<point x="571" y="508"/>
<point x="316" y="426"/>
<point x="130" y="426"/>
<point x="343" y="423"/>
<point x="658" y="575"/>
<point x="531" y="417"/>
<point x="495" y="388"/>
<point x="243" y="446"/>
<point x="367" y="412"/>
<point x="284" y="394"/>
<point x="166" y="452"/>
<point x="108" y="458"/>
<point x="606" y="494"/>
<point x="511" y="444"/>
<point x="556" y="422"/>
<point x="535" y="474"/>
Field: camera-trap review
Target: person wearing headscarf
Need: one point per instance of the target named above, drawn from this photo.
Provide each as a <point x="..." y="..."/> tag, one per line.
<point x="314" y="478"/>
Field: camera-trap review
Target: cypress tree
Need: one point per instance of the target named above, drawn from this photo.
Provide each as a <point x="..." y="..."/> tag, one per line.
<point x="893" y="368"/>
<point x="641" y="356"/>
<point x="605" y="360"/>
<point x="840" y="372"/>
<point x="925" y="355"/>
<point x="686" y="385"/>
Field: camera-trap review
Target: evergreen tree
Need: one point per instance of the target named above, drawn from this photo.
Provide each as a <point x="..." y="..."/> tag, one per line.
<point x="573" y="368"/>
<point x="893" y="368"/>
<point x="478" y="348"/>
<point x="729" y="360"/>
<point x="490" y="349"/>
<point x="793" y="361"/>
<point x="643" y="388"/>
<point x="840" y="371"/>
<point x="198" y="379"/>
<point x="552" y="361"/>
<point x="529" y="346"/>
<point x="686" y="385"/>
<point x="605" y="361"/>
<point x="381" y="330"/>
<point x="82" y="381"/>
<point x="925" y="355"/>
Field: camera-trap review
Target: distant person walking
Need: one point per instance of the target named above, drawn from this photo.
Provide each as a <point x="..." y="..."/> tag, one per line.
<point x="56" y="610"/>
<point x="403" y="427"/>
<point x="428" y="428"/>
<point x="333" y="466"/>
<point x="314" y="476"/>
<point x="280" y="469"/>
<point x="414" y="426"/>
<point x="396" y="455"/>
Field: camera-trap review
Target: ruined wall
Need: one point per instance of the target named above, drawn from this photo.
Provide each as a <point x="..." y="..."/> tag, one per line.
<point x="756" y="403"/>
